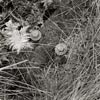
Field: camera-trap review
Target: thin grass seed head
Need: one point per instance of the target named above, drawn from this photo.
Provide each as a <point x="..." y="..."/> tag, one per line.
<point x="61" y="49"/>
<point x="35" y="35"/>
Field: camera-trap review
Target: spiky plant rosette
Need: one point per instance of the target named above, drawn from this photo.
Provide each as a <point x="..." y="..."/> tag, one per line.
<point x="17" y="39"/>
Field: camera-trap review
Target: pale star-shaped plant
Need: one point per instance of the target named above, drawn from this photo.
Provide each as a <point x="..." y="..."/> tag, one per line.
<point x="18" y="40"/>
<point x="10" y="26"/>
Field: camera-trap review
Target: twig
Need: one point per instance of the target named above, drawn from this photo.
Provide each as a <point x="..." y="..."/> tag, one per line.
<point x="7" y="67"/>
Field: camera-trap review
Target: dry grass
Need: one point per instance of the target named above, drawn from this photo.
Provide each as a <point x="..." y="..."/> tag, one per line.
<point x="42" y="75"/>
